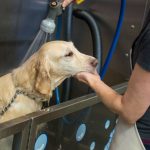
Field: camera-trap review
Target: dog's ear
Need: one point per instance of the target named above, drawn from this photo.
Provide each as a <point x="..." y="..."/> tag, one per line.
<point x="42" y="83"/>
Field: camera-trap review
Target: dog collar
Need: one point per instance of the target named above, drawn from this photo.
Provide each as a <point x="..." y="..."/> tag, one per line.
<point x="19" y="92"/>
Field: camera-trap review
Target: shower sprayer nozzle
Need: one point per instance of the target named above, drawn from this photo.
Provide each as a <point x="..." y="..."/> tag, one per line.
<point x="48" y="25"/>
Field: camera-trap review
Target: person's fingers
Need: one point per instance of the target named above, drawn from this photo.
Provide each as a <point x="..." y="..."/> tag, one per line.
<point x="80" y="77"/>
<point x="95" y="72"/>
<point x="84" y="81"/>
<point x="83" y="77"/>
<point x="66" y="2"/>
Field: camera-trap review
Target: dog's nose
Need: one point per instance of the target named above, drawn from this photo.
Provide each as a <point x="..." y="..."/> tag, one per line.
<point x="94" y="62"/>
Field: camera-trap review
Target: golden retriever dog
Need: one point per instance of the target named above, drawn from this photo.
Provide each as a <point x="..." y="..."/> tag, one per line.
<point x="24" y="89"/>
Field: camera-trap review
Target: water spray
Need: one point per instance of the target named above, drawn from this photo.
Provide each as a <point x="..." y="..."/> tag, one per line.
<point x="47" y="28"/>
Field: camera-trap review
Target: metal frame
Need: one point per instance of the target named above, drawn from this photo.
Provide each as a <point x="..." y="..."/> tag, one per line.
<point x="20" y="128"/>
<point x="24" y="128"/>
<point x="63" y="109"/>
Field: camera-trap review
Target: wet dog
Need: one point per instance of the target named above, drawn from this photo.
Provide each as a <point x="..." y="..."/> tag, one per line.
<point x="24" y="89"/>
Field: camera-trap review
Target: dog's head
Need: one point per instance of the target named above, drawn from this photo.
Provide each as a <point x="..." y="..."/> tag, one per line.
<point x="57" y="61"/>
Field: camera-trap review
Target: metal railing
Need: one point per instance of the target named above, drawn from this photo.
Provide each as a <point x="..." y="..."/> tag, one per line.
<point x="20" y="128"/>
<point x="24" y="128"/>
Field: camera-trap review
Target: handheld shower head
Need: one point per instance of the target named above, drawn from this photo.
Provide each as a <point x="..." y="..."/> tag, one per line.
<point x="48" y="24"/>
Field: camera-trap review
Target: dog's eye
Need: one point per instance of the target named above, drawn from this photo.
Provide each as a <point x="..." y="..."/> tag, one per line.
<point x="70" y="54"/>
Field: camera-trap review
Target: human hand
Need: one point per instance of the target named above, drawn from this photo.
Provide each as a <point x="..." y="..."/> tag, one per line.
<point x="66" y="3"/>
<point x="88" y="78"/>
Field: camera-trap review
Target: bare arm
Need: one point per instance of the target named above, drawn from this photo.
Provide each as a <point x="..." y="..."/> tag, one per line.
<point x="133" y="104"/>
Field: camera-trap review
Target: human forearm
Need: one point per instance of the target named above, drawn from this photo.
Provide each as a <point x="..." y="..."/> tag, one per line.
<point x="108" y="96"/>
<point x="133" y="104"/>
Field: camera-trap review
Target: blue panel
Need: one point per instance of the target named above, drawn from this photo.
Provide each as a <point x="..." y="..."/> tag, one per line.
<point x="86" y="132"/>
